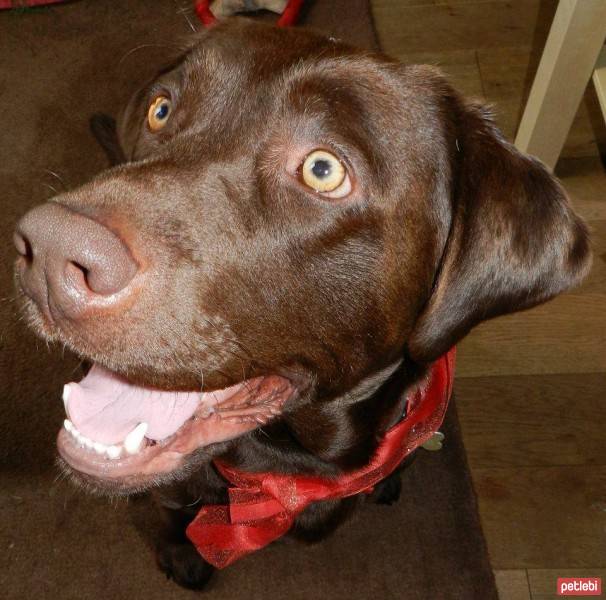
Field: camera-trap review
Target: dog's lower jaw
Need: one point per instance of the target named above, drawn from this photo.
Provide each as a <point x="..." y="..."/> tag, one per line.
<point x="124" y="487"/>
<point x="134" y="436"/>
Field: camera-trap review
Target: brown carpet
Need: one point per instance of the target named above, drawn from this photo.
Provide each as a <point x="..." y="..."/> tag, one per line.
<point x="59" y="65"/>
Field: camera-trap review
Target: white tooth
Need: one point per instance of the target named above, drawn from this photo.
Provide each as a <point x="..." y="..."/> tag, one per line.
<point x="68" y="425"/>
<point x="66" y="393"/>
<point x="113" y="451"/>
<point x="134" y="440"/>
<point x="87" y="442"/>
<point x="99" y="448"/>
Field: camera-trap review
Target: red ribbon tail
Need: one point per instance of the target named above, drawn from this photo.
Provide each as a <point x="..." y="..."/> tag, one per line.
<point x="222" y="542"/>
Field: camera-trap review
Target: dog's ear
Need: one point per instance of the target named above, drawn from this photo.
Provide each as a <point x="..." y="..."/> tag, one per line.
<point x="514" y="240"/>
<point x="103" y="127"/>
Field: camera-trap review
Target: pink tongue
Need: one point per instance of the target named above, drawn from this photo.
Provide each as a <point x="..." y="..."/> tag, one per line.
<point x="106" y="408"/>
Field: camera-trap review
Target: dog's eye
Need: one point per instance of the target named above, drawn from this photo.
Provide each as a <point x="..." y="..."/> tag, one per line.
<point x="324" y="173"/>
<point x="158" y="112"/>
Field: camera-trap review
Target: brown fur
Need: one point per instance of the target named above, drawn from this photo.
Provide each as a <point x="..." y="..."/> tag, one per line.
<point x="447" y="225"/>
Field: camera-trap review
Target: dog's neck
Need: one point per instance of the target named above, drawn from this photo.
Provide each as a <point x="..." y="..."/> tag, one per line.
<point x="392" y="384"/>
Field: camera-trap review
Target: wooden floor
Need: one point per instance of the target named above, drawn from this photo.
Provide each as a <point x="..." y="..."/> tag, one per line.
<point x="531" y="387"/>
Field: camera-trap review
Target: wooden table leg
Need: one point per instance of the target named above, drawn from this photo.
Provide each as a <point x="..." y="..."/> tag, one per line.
<point x="576" y="37"/>
<point x="599" y="80"/>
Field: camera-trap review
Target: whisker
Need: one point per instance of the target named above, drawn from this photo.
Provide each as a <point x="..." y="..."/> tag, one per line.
<point x="218" y="354"/>
<point x="195" y="501"/>
<point x="140" y="48"/>
<point x="232" y="340"/>
<point x="245" y="361"/>
<point x="48" y="185"/>
<point x="184" y="10"/>
<point x="79" y="365"/>
<point x="57" y="176"/>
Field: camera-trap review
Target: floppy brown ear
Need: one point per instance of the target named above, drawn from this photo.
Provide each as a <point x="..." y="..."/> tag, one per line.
<point x="514" y="240"/>
<point x="103" y="127"/>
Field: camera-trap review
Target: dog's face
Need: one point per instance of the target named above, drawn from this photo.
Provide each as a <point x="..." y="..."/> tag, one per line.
<point x="294" y="216"/>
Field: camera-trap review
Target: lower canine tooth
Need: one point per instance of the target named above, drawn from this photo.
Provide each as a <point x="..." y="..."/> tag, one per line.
<point x="113" y="451"/>
<point x="134" y="440"/>
<point x="68" y="425"/>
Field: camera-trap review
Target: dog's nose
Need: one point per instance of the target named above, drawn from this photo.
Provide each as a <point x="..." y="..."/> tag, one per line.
<point x="69" y="261"/>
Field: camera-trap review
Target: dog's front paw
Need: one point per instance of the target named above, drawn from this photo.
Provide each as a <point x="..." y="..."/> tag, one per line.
<point x="183" y="564"/>
<point x="388" y="491"/>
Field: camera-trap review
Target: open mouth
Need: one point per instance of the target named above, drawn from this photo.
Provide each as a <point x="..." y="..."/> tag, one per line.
<point x="115" y="429"/>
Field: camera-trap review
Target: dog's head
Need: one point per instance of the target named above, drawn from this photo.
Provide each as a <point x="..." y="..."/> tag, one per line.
<point x="294" y="217"/>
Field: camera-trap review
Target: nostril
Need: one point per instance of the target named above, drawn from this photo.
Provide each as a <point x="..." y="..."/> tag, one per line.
<point x="70" y="257"/>
<point x="76" y="275"/>
<point x="81" y="270"/>
<point x="24" y="248"/>
<point x="104" y="274"/>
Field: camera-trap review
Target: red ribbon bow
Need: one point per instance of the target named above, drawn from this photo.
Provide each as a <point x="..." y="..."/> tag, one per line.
<point x="263" y="506"/>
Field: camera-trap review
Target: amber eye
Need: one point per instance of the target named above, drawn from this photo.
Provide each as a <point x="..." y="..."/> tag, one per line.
<point x="159" y="112"/>
<point x="324" y="173"/>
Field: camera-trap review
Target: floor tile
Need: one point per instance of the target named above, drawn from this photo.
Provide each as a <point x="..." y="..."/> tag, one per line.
<point x="525" y="421"/>
<point x="543" y="581"/>
<point x="512" y="584"/>
<point x="542" y="517"/>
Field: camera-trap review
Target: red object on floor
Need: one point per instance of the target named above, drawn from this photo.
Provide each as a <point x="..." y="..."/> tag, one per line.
<point x="26" y="3"/>
<point x="291" y="13"/>
<point x="204" y="13"/>
<point x="287" y="18"/>
<point x="263" y="506"/>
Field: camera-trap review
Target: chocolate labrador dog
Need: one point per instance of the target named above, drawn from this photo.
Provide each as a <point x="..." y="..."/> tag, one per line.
<point x="297" y="231"/>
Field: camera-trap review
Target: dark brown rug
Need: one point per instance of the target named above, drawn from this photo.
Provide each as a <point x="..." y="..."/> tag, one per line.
<point x="57" y="66"/>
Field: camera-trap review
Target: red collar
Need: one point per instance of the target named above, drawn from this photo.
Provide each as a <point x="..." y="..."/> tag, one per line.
<point x="263" y="506"/>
